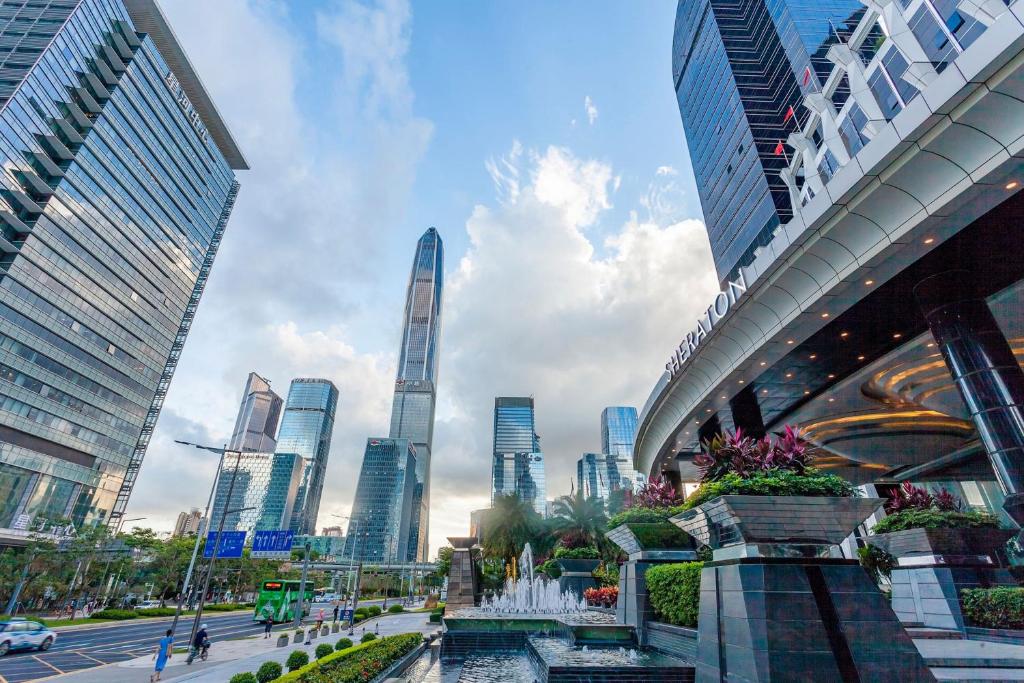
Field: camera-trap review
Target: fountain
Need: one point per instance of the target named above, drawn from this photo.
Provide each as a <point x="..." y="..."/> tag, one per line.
<point x="533" y="595"/>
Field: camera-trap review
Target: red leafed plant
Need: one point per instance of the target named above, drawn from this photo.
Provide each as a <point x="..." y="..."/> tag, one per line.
<point x="602" y="597"/>
<point x="656" y="493"/>
<point x="745" y="456"/>
<point x="910" y="497"/>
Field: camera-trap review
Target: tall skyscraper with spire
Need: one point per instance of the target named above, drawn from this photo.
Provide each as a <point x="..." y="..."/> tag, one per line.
<point x="382" y="489"/>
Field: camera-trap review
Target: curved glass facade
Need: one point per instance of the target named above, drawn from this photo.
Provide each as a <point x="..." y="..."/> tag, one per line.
<point x="113" y="202"/>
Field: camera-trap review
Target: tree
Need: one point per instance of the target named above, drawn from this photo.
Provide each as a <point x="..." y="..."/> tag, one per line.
<point x="508" y="526"/>
<point x="579" y="520"/>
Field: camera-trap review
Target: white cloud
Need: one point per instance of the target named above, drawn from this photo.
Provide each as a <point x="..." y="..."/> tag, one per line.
<point x="666" y="170"/>
<point x="591" y="109"/>
<point x="532" y="311"/>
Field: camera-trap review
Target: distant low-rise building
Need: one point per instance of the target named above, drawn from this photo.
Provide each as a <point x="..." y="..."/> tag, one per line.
<point x="188" y="524"/>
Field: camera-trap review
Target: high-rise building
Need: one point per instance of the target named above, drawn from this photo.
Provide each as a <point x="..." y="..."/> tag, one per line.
<point x="518" y="464"/>
<point x="618" y="430"/>
<point x="118" y="184"/>
<point x="264" y="491"/>
<point x="382" y="514"/>
<point x="258" y="415"/>
<point x="412" y="412"/>
<point x="306" y="429"/>
<point x="188" y="523"/>
<point x="742" y="69"/>
<point x="599" y="474"/>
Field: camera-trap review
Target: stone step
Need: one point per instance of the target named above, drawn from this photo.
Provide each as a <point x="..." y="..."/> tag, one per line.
<point x="934" y="633"/>
<point x="974" y="675"/>
<point x="972" y="654"/>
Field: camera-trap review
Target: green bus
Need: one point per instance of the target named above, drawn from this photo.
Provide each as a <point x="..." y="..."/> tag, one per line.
<point x="278" y="598"/>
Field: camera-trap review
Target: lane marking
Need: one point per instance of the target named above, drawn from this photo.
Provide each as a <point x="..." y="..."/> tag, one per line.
<point x="82" y="654"/>
<point x="47" y="664"/>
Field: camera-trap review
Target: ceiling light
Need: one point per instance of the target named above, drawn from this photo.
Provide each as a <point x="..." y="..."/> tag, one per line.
<point x="860" y="357"/>
<point x="869" y="282"/>
<point x="1012" y="185"/>
<point x="929" y="240"/>
<point x="806" y="392"/>
<point x="831" y="400"/>
<point x="741" y="381"/>
<point x="844" y="335"/>
<point x="687" y="433"/>
<point x="813" y="356"/>
<point x="788" y="375"/>
<point x="763" y="364"/>
<point x="831" y="376"/>
<point x="930" y="344"/>
<point x="764" y="391"/>
<point x="824" y="315"/>
<point x="897" y="335"/>
<point x="708" y="410"/>
<point x="789" y="341"/>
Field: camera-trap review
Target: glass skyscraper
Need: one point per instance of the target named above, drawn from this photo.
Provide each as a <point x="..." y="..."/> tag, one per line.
<point x="117" y="187"/>
<point x="256" y="424"/>
<point x="266" y="482"/>
<point x="618" y="429"/>
<point x="382" y="514"/>
<point x="412" y="412"/>
<point x="306" y="429"/>
<point x="741" y="70"/>
<point x="518" y="464"/>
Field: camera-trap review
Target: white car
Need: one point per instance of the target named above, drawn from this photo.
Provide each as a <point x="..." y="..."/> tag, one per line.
<point x="19" y="634"/>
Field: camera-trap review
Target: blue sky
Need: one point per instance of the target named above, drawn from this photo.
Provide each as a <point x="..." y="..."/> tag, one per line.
<point x="542" y="140"/>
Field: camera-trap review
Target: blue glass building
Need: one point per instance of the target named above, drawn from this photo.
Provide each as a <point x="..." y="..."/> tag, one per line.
<point x="618" y="429"/>
<point x="741" y="69"/>
<point x="260" y="411"/>
<point x="117" y="186"/>
<point x="517" y="465"/>
<point x="306" y="429"/>
<point x="266" y="483"/>
<point x="381" y="522"/>
<point x="412" y="412"/>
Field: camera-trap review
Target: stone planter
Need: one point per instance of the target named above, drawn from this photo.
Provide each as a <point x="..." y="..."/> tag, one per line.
<point x="282" y="640"/>
<point x="935" y="565"/>
<point x="299" y="636"/>
<point x="325" y="630"/>
<point x="335" y="627"/>
<point x="577" y="575"/>
<point x="313" y="633"/>
<point x="778" y="603"/>
<point x="647" y="544"/>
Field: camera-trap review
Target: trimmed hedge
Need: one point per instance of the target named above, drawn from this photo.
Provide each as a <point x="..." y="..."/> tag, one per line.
<point x="772" y="483"/>
<point x="585" y="553"/>
<point x="156" y="612"/>
<point x="296" y="660"/>
<point x="994" y="607"/>
<point x="643" y="516"/>
<point x="268" y="671"/>
<point x="936" y="519"/>
<point x="115" y="614"/>
<point x="373" y="611"/>
<point x="435" y="616"/>
<point x="343" y="644"/>
<point x="356" y="664"/>
<point x="228" y="606"/>
<point x="395" y="609"/>
<point x="367" y="637"/>
<point x="674" y="592"/>
<point x="246" y="677"/>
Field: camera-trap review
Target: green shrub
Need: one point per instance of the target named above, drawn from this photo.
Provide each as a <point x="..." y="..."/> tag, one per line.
<point x="674" y="592"/>
<point x="355" y="665"/>
<point x="638" y="515"/>
<point x="586" y="553"/>
<point x="936" y="519"/>
<point x="395" y="609"/>
<point x="268" y="671"/>
<point x="227" y="607"/>
<point x="373" y="611"/>
<point x="156" y="612"/>
<point x="435" y="617"/>
<point x="994" y="607"/>
<point x="772" y="483"/>
<point x="296" y="660"/>
<point x="117" y="614"/>
<point x="322" y="650"/>
<point x="876" y="561"/>
<point x="343" y="644"/>
<point x="367" y="637"/>
<point x="246" y="677"/>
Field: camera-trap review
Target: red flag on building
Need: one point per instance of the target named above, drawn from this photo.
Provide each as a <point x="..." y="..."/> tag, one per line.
<point x="807" y="75"/>
<point x="789" y="114"/>
<point x="779" y="149"/>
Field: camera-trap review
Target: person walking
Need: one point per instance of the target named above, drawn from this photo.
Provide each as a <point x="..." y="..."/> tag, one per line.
<point x="162" y="654"/>
<point x="335" y="617"/>
<point x="320" y="619"/>
<point x="268" y="623"/>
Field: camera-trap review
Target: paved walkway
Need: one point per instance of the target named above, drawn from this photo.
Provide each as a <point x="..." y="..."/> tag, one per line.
<point x="236" y="656"/>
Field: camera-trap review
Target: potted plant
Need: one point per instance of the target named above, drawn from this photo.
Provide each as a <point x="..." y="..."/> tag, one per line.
<point x="921" y="525"/>
<point x="936" y="548"/>
<point x="642" y="529"/>
<point x="577" y="565"/>
<point x="763" y="497"/>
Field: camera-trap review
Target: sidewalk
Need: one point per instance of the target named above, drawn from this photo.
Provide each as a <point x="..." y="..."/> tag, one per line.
<point x="236" y="656"/>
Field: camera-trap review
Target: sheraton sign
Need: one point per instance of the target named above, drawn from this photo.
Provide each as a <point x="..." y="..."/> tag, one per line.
<point x="725" y="300"/>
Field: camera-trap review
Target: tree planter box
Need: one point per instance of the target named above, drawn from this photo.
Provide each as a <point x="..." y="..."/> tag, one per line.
<point x="299" y="636"/>
<point x="936" y="564"/>
<point x="282" y="640"/>
<point x="638" y="537"/>
<point x="779" y="604"/>
<point x="577" y="575"/>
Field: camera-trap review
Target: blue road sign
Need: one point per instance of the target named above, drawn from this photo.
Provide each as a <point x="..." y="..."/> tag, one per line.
<point x="346" y="614"/>
<point x="231" y="543"/>
<point x="272" y="544"/>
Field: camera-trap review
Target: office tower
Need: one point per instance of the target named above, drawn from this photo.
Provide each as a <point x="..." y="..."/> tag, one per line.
<point x="599" y="474"/>
<point x="188" y="523"/>
<point x="382" y="514"/>
<point x="618" y="430"/>
<point x="412" y="412"/>
<point x="256" y="424"/>
<point x="266" y="484"/>
<point x="742" y="69"/>
<point x="518" y="464"/>
<point x="306" y="429"/>
<point x="119" y="181"/>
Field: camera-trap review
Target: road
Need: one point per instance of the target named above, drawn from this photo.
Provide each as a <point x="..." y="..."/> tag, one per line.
<point x="80" y="649"/>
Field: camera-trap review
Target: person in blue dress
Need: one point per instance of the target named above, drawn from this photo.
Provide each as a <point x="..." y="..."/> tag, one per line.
<point x="163" y="653"/>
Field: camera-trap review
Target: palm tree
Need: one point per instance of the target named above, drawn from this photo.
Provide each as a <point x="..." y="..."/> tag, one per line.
<point x="508" y="526"/>
<point x="580" y="516"/>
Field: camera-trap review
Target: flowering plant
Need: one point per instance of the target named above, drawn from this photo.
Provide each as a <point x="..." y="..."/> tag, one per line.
<point x="910" y="497"/>
<point x="744" y="456"/>
<point x="656" y="493"/>
<point x="605" y="596"/>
